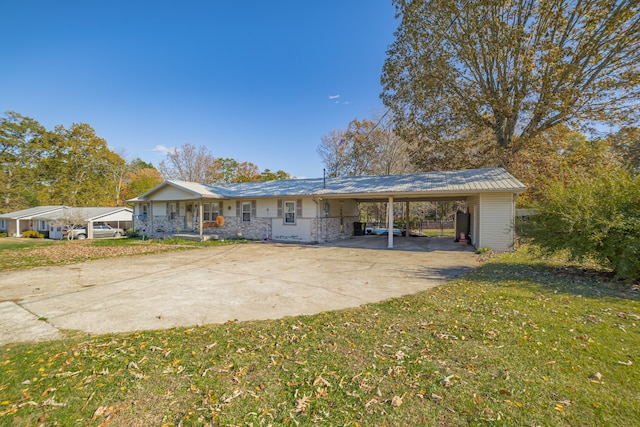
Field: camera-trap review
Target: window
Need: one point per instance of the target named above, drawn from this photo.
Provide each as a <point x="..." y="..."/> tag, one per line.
<point x="41" y="225"/>
<point x="206" y="212"/>
<point x="246" y="211"/>
<point x="144" y="209"/>
<point x="173" y="211"/>
<point x="289" y="212"/>
<point x="3" y="224"/>
<point x="215" y="211"/>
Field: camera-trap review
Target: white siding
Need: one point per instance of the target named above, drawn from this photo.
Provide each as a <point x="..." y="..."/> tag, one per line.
<point x="300" y="232"/>
<point x="160" y="208"/>
<point x="496" y="215"/>
<point x="168" y="193"/>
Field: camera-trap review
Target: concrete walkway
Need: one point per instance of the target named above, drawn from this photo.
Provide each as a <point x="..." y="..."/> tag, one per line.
<point x="213" y="285"/>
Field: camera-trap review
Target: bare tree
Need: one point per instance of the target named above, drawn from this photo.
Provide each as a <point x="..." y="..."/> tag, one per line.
<point x="189" y="163"/>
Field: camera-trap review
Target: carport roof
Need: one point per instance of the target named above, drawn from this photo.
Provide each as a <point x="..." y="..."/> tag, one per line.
<point x="440" y="182"/>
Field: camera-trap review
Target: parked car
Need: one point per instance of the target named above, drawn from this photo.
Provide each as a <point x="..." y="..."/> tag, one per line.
<point x="99" y="230"/>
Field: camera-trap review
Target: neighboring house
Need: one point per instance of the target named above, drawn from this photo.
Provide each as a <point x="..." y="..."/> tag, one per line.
<point x="51" y="219"/>
<point x="313" y="210"/>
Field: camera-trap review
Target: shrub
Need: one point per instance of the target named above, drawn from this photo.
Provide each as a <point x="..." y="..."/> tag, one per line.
<point x="595" y="218"/>
<point x="4" y="234"/>
<point x="32" y="234"/>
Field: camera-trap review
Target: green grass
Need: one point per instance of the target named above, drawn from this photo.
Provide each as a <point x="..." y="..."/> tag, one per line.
<point x="519" y="341"/>
<point x="438" y="232"/>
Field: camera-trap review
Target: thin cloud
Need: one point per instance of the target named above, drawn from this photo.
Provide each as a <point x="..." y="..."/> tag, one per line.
<point x="162" y="149"/>
<point x="334" y="96"/>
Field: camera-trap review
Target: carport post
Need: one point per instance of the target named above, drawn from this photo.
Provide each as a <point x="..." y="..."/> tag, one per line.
<point x="390" y="214"/>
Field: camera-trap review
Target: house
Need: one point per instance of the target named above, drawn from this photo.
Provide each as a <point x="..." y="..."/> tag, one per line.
<point x="314" y="210"/>
<point x="49" y="220"/>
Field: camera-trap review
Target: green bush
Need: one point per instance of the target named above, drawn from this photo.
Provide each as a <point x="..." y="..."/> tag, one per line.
<point x="596" y="218"/>
<point x="32" y="234"/>
<point x="4" y="234"/>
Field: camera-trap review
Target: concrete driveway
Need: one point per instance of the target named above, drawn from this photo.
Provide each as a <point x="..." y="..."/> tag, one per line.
<point x="213" y="285"/>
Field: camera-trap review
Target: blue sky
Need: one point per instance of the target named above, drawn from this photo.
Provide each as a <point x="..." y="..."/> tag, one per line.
<point x="254" y="80"/>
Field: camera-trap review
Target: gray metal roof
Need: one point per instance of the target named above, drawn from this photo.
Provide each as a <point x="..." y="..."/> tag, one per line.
<point x="89" y="214"/>
<point x="441" y="182"/>
<point x="30" y="212"/>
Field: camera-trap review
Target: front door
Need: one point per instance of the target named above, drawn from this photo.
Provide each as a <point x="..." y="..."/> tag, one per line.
<point x="188" y="219"/>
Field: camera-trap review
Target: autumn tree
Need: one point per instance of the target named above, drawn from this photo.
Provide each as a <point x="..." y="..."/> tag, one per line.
<point x="560" y="155"/>
<point x="366" y="147"/>
<point x="516" y="68"/>
<point x="141" y="177"/>
<point x="79" y="169"/>
<point x="23" y="143"/>
<point x="192" y="164"/>
<point x="627" y="144"/>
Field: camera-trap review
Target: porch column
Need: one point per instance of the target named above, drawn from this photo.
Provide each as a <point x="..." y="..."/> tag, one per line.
<point x="406" y="219"/>
<point x="90" y="230"/>
<point x="200" y="212"/>
<point x="18" y="233"/>
<point x="390" y="223"/>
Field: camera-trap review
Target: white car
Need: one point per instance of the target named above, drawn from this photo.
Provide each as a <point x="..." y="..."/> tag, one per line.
<point x="99" y="230"/>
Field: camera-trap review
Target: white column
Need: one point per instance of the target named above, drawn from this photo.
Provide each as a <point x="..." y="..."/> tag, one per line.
<point x="390" y="223"/>
<point x="200" y="213"/>
<point x="90" y="230"/>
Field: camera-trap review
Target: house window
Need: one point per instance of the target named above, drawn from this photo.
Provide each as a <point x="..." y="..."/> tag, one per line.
<point x="144" y="209"/>
<point x="206" y="211"/>
<point x="289" y="212"/>
<point x="173" y="210"/>
<point x="215" y="211"/>
<point x="41" y="225"/>
<point x="246" y="212"/>
<point x="3" y="224"/>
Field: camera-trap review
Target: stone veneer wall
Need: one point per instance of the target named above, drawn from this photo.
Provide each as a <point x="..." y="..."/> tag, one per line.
<point x="328" y="229"/>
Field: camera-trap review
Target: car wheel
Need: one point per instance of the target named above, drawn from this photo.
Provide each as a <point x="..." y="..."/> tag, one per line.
<point x="81" y="236"/>
<point x="118" y="235"/>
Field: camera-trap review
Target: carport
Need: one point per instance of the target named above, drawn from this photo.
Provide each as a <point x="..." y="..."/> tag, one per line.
<point x="489" y="194"/>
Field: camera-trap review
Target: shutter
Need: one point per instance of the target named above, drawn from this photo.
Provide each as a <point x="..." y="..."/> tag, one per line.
<point x="238" y="211"/>
<point x="254" y="208"/>
<point x="280" y="208"/>
<point x="299" y="208"/>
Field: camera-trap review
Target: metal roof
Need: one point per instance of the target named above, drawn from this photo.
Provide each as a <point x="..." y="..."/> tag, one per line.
<point x="421" y="183"/>
<point x="30" y="212"/>
<point x="89" y="214"/>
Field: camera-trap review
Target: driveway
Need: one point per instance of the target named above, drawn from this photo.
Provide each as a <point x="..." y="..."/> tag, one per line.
<point x="216" y="284"/>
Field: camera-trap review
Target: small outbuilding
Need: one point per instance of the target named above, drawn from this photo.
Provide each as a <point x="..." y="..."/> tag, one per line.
<point x="314" y="210"/>
<point x="50" y="220"/>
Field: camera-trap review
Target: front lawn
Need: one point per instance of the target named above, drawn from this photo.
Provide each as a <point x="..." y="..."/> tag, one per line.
<point x="27" y="253"/>
<point x="518" y="341"/>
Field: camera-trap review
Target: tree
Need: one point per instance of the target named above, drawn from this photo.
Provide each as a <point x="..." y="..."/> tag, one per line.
<point x="140" y="180"/>
<point x="627" y="143"/>
<point x="561" y="154"/>
<point x="189" y="163"/>
<point x="364" y="148"/>
<point x="23" y="142"/>
<point x="79" y="169"/>
<point x="517" y="68"/>
<point x="594" y="217"/>
<point x="267" y="175"/>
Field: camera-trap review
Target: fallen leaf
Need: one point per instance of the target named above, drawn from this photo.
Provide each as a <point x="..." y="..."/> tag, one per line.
<point x="396" y="401"/>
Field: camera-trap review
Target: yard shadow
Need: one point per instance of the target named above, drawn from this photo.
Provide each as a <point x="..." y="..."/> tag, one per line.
<point x="567" y="279"/>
